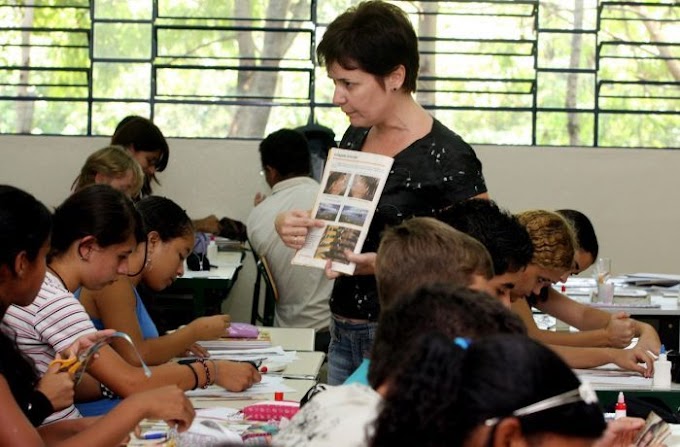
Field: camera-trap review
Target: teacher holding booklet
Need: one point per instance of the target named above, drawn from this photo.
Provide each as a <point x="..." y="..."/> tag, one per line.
<point x="371" y="54"/>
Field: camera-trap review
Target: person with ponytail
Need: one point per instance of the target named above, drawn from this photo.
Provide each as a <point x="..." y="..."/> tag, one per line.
<point x="499" y="390"/>
<point x="344" y="415"/>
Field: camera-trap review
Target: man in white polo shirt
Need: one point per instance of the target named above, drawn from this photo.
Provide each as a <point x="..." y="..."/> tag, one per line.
<point x="303" y="291"/>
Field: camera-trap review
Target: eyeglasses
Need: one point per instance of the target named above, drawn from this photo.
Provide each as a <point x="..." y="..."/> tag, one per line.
<point x="584" y="393"/>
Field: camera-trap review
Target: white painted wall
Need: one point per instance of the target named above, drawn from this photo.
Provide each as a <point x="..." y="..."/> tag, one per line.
<point x="631" y="195"/>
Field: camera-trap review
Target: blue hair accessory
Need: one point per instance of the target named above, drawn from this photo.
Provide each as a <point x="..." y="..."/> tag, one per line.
<point x="463" y="342"/>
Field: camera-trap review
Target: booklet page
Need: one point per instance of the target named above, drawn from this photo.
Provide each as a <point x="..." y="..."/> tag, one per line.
<point x="351" y="186"/>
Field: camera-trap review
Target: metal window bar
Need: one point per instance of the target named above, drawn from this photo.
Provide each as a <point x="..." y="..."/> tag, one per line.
<point x="606" y="49"/>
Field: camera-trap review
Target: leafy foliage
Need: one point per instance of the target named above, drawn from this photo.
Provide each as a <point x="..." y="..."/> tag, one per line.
<point x="548" y="72"/>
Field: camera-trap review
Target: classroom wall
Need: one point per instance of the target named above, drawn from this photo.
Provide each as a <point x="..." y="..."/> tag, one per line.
<point x="630" y="194"/>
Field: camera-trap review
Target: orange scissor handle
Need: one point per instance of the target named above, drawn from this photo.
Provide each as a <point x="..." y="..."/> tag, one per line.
<point x="70" y="364"/>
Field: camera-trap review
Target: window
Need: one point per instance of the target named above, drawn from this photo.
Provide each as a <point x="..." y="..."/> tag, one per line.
<point x="548" y="72"/>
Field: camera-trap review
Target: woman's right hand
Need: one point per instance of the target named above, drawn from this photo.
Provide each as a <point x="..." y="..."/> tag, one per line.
<point x="57" y="386"/>
<point x="167" y="403"/>
<point x="292" y="227"/>
<point x="210" y="328"/>
<point x="365" y="264"/>
<point x="236" y="376"/>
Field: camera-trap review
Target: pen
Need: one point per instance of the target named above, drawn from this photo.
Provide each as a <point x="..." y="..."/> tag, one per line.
<point x="154" y="435"/>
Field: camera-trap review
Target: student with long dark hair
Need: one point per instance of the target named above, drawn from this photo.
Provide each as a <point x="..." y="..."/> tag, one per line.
<point x="25" y="226"/>
<point x="95" y="231"/>
<point x="156" y="263"/>
<point x="499" y="391"/>
<point x="146" y="143"/>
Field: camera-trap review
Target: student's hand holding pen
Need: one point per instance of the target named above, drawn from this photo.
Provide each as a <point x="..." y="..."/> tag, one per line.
<point x="236" y="376"/>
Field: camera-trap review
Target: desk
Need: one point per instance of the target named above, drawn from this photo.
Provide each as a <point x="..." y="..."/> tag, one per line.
<point x="308" y="363"/>
<point x="291" y="339"/>
<point x="300" y="375"/>
<point x="608" y="388"/>
<point x="665" y="319"/>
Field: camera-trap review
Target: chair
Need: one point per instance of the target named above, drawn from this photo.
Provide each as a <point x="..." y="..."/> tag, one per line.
<point x="271" y="294"/>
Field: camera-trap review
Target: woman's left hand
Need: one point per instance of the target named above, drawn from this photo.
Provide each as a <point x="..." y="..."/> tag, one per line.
<point x="365" y="264"/>
<point x="86" y="341"/>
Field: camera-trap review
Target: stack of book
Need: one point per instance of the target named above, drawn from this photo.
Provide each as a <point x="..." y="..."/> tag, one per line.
<point x="263" y="340"/>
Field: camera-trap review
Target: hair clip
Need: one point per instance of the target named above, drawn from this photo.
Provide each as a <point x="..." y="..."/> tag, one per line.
<point x="462" y="342"/>
<point x="584" y="393"/>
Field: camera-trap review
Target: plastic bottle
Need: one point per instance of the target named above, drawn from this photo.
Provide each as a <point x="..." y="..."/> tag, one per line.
<point x="212" y="251"/>
<point x="662" y="371"/>
<point x="620" y="407"/>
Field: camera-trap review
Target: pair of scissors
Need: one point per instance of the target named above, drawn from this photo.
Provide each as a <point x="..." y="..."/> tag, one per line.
<point x="75" y="365"/>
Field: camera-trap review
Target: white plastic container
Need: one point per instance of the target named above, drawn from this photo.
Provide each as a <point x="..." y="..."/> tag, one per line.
<point x="212" y="251"/>
<point x="662" y="372"/>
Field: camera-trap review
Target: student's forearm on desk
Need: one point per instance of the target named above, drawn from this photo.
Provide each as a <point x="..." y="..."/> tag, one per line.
<point x="104" y="431"/>
<point x="583" y="357"/>
<point x="156" y="351"/>
<point x="595" y="339"/>
<point x="628" y="359"/>
<point x="125" y="379"/>
<point x="64" y="429"/>
<point x="582" y="317"/>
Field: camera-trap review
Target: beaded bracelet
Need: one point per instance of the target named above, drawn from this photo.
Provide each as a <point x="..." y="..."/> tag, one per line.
<point x="193" y="371"/>
<point x="208" y="382"/>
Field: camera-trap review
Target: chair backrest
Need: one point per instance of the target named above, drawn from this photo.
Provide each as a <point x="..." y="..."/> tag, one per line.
<point x="271" y="294"/>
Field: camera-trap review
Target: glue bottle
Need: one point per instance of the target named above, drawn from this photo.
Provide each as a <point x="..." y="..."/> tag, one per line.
<point x="620" y="407"/>
<point x="212" y="250"/>
<point x="662" y="371"/>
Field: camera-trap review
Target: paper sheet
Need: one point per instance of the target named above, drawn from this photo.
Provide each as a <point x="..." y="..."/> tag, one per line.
<point x="268" y="385"/>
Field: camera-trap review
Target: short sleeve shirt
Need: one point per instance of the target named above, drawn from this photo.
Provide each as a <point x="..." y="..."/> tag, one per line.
<point x="434" y="172"/>
<point x="52" y="323"/>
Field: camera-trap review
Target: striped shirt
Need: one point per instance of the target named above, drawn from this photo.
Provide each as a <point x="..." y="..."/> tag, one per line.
<point x="49" y="325"/>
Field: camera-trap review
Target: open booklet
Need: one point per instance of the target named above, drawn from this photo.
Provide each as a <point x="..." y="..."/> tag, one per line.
<point x="351" y="186"/>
